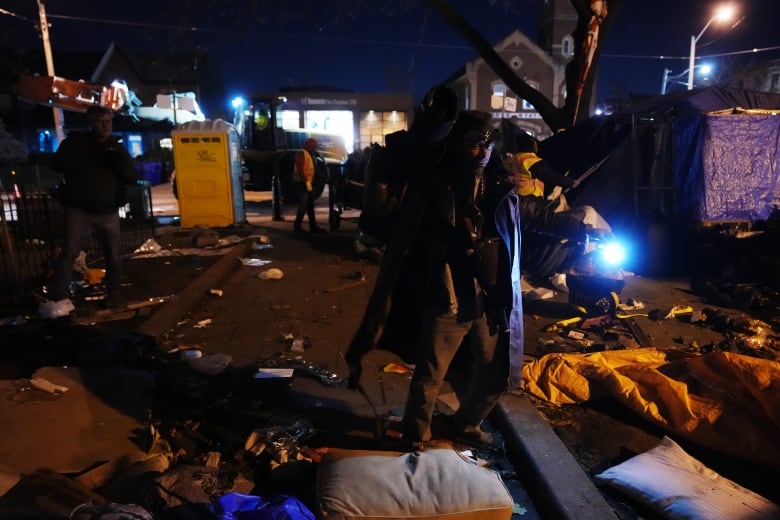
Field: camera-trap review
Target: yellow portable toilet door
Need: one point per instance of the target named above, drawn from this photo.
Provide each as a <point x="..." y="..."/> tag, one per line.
<point x="203" y="178"/>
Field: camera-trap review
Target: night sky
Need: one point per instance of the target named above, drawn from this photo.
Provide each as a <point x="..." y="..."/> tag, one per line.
<point x="265" y="45"/>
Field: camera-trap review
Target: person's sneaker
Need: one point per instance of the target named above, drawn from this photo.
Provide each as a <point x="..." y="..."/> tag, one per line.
<point x="478" y="438"/>
<point x="317" y="229"/>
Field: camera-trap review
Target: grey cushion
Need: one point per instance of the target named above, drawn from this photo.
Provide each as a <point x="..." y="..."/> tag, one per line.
<point x="430" y="484"/>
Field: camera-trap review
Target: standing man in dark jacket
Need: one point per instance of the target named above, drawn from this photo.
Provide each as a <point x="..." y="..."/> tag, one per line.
<point x="96" y="168"/>
<point x="451" y="276"/>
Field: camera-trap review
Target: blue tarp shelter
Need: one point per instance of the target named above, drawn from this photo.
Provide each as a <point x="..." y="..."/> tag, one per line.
<point x="673" y="162"/>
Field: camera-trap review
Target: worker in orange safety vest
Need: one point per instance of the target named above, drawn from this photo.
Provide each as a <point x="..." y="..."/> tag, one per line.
<point x="303" y="175"/>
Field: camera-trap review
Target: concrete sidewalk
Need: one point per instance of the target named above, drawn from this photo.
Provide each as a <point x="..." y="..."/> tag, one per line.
<point x="318" y="301"/>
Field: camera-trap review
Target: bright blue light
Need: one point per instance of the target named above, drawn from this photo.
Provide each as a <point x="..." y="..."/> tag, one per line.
<point x="613" y="253"/>
<point x="237" y="102"/>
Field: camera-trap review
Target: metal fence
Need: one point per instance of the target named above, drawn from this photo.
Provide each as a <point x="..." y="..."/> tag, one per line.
<point x="31" y="232"/>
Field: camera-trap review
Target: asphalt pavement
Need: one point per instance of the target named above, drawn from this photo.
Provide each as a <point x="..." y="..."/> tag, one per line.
<point x="219" y="301"/>
<point x="233" y="310"/>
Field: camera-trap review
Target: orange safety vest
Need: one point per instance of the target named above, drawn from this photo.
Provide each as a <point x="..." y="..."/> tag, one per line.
<point x="525" y="182"/>
<point x="304" y="166"/>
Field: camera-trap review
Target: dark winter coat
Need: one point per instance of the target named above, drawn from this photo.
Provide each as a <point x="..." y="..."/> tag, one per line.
<point x="411" y="270"/>
<point x="95" y="174"/>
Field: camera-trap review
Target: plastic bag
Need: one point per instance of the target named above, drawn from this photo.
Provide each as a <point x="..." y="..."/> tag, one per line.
<point x="249" y="507"/>
<point x="56" y="309"/>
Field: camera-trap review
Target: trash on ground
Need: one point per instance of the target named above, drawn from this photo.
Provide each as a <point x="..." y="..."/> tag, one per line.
<point x="150" y="246"/>
<point x="94" y="276"/>
<point x="180" y="348"/>
<point x="191" y="354"/>
<point x="397" y="368"/>
<point x="212" y="364"/>
<point x="202" y="324"/>
<point x="260" y="246"/>
<point x="539" y="293"/>
<point x="158" y="445"/>
<point x="56" y="309"/>
<point x="281" y="441"/>
<point x="298" y="345"/>
<point x="273" y="373"/>
<point x="254" y="262"/>
<point x="327" y="377"/>
<point x="205" y="237"/>
<point x="280" y="507"/>
<point x="261" y="239"/>
<point x="677" y="310"/>
<point x="89" y="511"/>
<point x="562" y="324"/>
<point x="47" y="386"/>
<point x="271" y="274"/>
<point x="216" y="292"/>
<point x="80" y="263"/>
<point x="558" y="281"/>
<point x="631" y="305"/>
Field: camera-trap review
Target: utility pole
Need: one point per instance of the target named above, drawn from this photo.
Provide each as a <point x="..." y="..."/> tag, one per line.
<point x="665" y="80"/>
<point x="57" y="112"/>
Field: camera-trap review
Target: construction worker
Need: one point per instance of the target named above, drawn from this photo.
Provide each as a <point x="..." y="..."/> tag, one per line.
<point x="303" y="175"/>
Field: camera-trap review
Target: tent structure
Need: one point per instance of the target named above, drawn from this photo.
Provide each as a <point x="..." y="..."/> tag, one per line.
<point x="676" y="162"/>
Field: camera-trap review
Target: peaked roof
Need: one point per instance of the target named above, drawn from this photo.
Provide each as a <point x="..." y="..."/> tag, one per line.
<point x="159" y="67"/>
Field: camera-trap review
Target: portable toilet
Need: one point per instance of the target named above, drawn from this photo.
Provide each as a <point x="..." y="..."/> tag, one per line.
<point x="208" y="174"/>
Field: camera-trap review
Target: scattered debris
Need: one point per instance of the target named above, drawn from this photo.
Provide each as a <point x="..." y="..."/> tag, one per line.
<point x="397" y="368"/>
<point x="271" y="274"/>
<point x="631" y="305"/>
<point x="254" y="262"/>
<point x="56" y="309"/>
<point x="47" y="386"/>
<point x="212" y="364"/>
<point x="358" y="279"/>
<point x="149" y="246"/>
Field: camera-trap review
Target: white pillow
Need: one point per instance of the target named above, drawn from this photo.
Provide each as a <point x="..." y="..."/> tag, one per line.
<point x="678" y="486"/>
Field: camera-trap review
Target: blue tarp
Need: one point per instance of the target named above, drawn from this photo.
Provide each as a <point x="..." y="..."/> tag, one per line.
<point x="666" y="159"/>
<point x="727" y="166"/>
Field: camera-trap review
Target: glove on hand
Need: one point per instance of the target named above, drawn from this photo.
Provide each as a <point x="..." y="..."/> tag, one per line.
<point x="309" y="186"/>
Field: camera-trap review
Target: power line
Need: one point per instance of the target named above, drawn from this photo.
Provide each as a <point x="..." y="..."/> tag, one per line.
<point x="131" y="24"/>
<point x="663" y="57"/>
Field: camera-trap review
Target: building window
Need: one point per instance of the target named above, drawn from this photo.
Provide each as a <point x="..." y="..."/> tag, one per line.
<point x="775" y="82"/>
<point x="498" y="95"/>
<point x="567" y="46"/>
<point x="534" y="85"/>
<point x="290" y="119"/>
<point x="374" y="126"/>
<point x="499" y="89"/>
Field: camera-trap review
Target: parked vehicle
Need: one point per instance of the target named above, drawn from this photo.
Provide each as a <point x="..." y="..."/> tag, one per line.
<point x="268" y="151"/>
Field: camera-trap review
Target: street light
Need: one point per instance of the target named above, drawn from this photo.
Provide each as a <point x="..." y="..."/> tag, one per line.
<point x="724" y="13"/>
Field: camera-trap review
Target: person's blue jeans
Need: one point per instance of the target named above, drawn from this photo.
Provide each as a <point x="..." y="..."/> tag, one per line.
<point x="79" y="225"/>
<point x="441" y="338"/>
